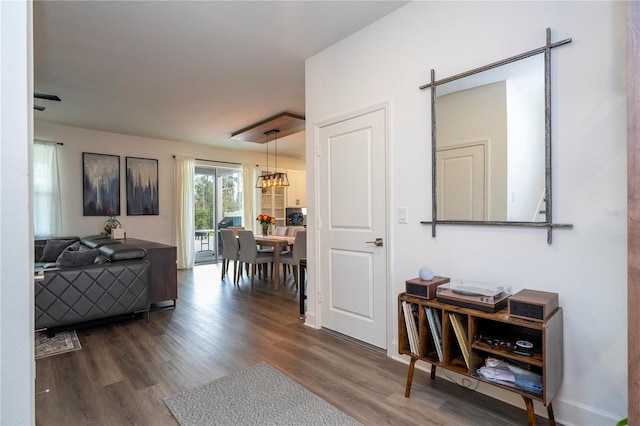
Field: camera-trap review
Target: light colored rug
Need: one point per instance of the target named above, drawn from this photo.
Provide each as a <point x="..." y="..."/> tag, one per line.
<point x="258" y="395"/>
<point x="63" y="341"/>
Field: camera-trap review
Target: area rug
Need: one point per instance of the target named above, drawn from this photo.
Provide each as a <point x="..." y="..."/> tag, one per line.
<point x="258" y="395"/>
<point x="62" y="342"/>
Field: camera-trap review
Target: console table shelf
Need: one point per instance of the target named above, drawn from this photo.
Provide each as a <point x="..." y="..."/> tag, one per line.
<point x="464" y="352"/>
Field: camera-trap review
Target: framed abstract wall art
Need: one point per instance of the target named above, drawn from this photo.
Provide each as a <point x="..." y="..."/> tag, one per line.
<point x="142" y="186"/>
<point x="100" y="184"/>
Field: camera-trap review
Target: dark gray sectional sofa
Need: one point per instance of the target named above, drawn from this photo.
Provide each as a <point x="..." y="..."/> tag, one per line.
<point x="92" y="278"/>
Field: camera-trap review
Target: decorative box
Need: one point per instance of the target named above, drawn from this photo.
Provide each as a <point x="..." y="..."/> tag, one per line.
<point x="118" y="234"/>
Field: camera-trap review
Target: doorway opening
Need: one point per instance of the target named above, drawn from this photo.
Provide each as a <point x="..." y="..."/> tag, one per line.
<point x="218" y="205"/>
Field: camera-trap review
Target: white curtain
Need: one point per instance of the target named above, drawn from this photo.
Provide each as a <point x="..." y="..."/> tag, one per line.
<point x="184" y="229"/>
<point x="248" y="191"/>
<point x="47" y="207"/>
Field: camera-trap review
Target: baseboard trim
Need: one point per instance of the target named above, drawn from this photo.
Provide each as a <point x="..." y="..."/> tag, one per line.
<point x="356" y="341"/>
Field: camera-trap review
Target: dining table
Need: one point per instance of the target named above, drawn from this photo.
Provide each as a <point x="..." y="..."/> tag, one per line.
<point x="278" y="243"/>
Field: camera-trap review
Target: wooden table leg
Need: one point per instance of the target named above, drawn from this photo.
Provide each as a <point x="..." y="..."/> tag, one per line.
<point x="531" y="413"/>
<point x="407" y="389"/>
<point x="552" y="419"/>
<point x="433" y="372"/>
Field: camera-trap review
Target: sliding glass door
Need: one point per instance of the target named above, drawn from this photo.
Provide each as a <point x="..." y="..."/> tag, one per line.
<point x="218" y="205"/>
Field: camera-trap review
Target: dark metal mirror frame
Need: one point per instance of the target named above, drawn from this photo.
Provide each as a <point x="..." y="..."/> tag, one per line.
<point x="548" y="223"/>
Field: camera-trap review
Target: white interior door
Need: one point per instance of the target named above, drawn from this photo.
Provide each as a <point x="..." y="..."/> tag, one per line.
<point x="352" y="190"/>
<point x="461" y="181"/>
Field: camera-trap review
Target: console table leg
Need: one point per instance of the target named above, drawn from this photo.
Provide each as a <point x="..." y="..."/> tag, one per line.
<point x="407" y="389"/>
<point x="433" y="372"/>
<point x="552" y="419"/>
<point x="531" y="413"/>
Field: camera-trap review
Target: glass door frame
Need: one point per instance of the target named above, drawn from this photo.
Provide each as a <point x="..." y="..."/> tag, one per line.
<point x="216" y="172"/>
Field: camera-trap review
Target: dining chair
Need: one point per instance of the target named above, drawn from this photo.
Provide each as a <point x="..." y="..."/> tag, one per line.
<point x="230" y="251"/>
<point x="249" y="253"/>
<point x="292" y="257"/>
<point x="293" y="230"/>
<point x="266" y="250"/>
<point x="235" y="229"/>
<point x="280" y="231"/>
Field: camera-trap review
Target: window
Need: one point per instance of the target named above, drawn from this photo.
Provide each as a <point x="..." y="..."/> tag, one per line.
<point x="47" y="210"/>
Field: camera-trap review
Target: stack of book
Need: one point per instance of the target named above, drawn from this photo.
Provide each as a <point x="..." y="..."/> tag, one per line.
<point x="461" y="336"/>
<point x="433" y="317"/>
<point x="412" y="327"/>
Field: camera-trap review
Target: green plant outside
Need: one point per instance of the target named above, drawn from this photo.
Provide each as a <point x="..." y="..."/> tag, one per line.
<point x="204" y="186"/>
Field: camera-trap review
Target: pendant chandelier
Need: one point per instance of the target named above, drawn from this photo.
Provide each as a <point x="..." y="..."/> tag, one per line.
<point x="272" y="179"/>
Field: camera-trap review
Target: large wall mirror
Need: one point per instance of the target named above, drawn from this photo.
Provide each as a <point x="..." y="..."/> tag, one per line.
<point x="491" y="142"/>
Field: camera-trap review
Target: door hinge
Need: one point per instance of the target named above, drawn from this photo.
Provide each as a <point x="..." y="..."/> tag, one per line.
<point x="319" y="297"/>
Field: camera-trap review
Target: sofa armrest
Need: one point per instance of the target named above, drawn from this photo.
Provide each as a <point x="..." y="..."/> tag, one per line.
<point x="119" y="252"/>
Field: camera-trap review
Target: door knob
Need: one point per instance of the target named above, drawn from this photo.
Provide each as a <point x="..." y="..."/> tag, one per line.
<point x="377" y="242"/>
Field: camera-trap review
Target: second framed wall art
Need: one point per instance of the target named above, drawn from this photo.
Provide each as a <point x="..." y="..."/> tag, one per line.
<point x="142" y="186"/>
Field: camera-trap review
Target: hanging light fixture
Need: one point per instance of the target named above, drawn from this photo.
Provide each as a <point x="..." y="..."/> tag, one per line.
<point x="272" y="179"/>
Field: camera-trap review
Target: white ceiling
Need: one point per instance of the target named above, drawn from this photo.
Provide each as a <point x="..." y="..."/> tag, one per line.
<point x="192" y="71"/>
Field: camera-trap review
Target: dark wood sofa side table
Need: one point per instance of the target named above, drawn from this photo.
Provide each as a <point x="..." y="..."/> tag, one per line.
<point x="164" y="271"/>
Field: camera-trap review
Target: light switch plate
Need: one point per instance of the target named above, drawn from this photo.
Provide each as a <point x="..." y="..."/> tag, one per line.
<point x="402" y="215"/>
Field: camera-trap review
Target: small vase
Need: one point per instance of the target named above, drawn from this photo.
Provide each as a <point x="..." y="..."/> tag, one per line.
<point x="111" y="223"/>
<point x="265" y="229"/>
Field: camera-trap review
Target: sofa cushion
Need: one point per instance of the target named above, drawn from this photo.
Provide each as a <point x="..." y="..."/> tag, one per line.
<point x="74" y="247"/>
<point x="53" y="248"/>
<point x="122" y="252"/>
<point x="77" y="258"/>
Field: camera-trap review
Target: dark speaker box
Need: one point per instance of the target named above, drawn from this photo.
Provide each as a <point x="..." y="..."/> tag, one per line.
<point x="423" y="288"/>
<point x="533" y="304"/>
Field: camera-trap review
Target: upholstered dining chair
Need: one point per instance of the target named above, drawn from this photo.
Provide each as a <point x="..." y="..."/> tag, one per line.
<point x="293" y="230"/>
<point x="230" y="252"/>
<point x="293" y="256"/>
<point x="235" y="229"/>
<point x="280" y="231"/>
<point x="249" y="253"/>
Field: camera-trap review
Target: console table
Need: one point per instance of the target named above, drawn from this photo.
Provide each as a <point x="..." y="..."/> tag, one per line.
<point x="163" y="270"/>
<point x="545" y="359"/>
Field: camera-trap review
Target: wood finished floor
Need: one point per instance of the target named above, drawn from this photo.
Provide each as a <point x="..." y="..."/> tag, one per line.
<point x="124" y="370"/>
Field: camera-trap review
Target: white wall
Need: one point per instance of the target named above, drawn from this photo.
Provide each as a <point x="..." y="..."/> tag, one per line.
<point x="154" y="228"/>
<point x="17" y="365"/>
<point x="586" y="265"/>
